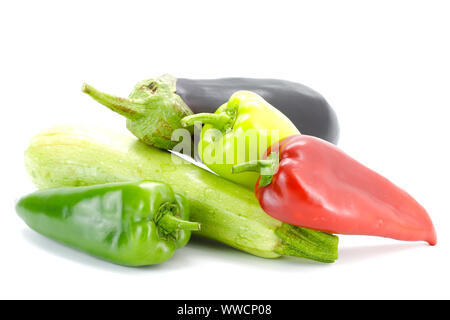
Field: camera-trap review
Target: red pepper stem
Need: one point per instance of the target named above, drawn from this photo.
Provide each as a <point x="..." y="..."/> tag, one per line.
<point x="218" y="120"/>
<point x="266" y="168"/>
<point x="129" y="108"/>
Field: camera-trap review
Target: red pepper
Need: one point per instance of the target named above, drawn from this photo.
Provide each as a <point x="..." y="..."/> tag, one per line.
<point x="309" y="182"/>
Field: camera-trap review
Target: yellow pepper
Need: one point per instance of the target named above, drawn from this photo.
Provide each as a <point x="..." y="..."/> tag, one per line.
<point x="239" y="131"/>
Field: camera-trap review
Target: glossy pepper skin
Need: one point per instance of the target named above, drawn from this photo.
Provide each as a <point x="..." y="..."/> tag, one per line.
<point x="316" y="185"/>
<point x="132" y="224"/>
<point x="246" y="115"/>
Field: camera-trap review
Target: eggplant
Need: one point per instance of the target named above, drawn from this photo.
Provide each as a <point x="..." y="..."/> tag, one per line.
<point x="306" y="108"/>
<point x="156" y="106"/>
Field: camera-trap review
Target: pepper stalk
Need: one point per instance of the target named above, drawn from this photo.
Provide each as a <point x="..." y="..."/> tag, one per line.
<point x="266" y="168"/>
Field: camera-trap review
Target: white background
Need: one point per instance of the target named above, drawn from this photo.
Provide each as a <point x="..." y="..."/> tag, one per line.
<point x="383" y="65"/>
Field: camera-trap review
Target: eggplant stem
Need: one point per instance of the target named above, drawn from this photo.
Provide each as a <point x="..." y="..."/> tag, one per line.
<point x="129" y="108"/>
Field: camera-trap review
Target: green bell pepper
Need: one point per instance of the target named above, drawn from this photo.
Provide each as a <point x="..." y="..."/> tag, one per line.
<point x="245" y="127"/>
<point x="133" y="223"/>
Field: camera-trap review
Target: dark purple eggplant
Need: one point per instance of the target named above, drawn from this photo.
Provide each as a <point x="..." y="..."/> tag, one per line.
<point x="155" y="106"/>
<point x="306" y="108"/>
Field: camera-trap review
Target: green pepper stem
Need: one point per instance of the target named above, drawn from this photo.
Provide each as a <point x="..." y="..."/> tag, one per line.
<point x="129" y="108"/>
<point x="219" y="120"/>
<point x="171" y="223"/>
<point x="266" y="168"/>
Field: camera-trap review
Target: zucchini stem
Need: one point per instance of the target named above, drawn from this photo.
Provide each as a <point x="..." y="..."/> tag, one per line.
<point x="306" y="243"/>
